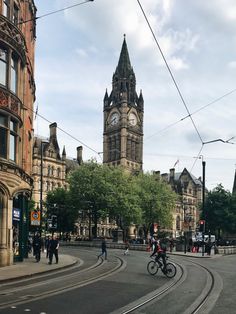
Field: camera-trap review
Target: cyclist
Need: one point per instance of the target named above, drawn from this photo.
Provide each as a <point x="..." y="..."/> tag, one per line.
<point x="160" y="253"/>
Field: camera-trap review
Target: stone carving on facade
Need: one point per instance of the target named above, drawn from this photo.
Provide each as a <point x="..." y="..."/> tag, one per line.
<point x="11" y="34"/>
<point x="3" y="98"/>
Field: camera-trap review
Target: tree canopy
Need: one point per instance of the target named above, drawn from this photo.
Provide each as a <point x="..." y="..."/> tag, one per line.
<point x="220" y="211"/>
<point x="157" y="201"/>
<point x="98" y="191"/>
<point x="58" y="203"/>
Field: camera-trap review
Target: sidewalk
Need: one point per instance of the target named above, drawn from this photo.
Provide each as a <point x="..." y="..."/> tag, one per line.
<point x="29" y="267"/>
<point x="196" y="255"/>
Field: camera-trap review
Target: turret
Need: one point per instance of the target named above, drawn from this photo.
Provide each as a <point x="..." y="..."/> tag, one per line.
<point x="106" y="99"/>
<point x="64" y="154"/>
<point x="79" y="154"/>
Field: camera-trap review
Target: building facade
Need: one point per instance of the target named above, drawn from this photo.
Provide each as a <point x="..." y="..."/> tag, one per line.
<point x="189" y="189"/>
<point x="123" y="118"/>
<point x="17" y="95"/>
<point x="48" y="165"/>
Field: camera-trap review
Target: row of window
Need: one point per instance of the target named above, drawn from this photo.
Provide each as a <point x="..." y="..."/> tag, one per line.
<point x="8" y="137"/>
<point x="51" y="171"/>
<point x="49" y="186"/>
<point x="13" y="14"/>
<point x="8" y="70"/>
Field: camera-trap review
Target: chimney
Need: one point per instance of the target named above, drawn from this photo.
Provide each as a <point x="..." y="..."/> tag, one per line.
<point x="53" y="130"/>
<point x="164" y="177"/>
<point x="79" y="154"/>
<point x="157" y="174"/>
<point x="172" y="173"/>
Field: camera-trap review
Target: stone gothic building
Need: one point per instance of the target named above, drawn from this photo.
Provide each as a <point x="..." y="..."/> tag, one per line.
<point x="17" y="95"/>
<point x="50" y="166"/>
<point x="123" y="118"/>
<point x="189" y="189"/>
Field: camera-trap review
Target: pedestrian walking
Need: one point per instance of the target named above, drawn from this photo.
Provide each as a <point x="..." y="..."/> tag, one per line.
<point x="47" y="241"/>
<point x="37" y="245"/>
<point x="171" y="244"/>
<point x="53" y="249"/>
<point x="104" y="249"/>
<point x="127" y="246"/>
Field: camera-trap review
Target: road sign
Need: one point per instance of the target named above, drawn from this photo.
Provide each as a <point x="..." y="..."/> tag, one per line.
<point x="35" y="218"/>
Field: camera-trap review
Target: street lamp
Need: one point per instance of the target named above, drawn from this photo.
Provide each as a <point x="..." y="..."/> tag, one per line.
<point x="41" y="185"/>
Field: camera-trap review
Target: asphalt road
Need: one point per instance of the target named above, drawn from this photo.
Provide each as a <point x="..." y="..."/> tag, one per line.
<point x="123" y="282"/>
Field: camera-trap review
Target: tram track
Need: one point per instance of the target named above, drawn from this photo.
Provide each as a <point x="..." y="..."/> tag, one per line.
<point x="79" y="279"/>
<point x="203" y="303"/>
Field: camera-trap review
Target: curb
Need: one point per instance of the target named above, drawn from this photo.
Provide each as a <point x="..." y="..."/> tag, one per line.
<point x="31" y="275"/>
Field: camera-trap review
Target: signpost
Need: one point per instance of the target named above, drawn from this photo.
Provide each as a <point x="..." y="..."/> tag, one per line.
<point x="35" y="218"/>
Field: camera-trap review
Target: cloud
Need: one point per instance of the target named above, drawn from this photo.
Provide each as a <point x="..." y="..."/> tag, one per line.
<point x="232" y="64"/>
<point x="77" y="52"/>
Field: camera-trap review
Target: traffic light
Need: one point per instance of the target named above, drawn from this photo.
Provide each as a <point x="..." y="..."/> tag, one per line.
<point x="54" y="222"/>
<point x="202" y="225"/>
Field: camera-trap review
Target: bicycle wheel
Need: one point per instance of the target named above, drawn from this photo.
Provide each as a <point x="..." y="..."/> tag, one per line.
<point x="170" y="270"/>
<point x="152" y="267"/>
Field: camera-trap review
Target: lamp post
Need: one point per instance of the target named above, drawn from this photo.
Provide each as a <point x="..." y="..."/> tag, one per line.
<point x="203" y="203"/>
<point x="41" y="185"/>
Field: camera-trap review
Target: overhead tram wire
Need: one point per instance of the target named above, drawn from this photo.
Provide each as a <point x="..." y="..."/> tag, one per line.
<point x="56" y="11"/>
<point x="194" y="112"/>
<point x="67" y="133"/>
<point x="170" y="72"/>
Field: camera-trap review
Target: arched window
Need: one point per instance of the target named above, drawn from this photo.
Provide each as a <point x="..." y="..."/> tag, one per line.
<point x="177" y="223"/>
<point x="58" y="172"/>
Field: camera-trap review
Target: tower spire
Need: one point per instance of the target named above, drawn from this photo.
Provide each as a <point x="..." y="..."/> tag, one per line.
<point x="124" y="65"/>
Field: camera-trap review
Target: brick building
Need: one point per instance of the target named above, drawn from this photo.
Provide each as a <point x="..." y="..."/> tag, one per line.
<point x="17" y="95"/>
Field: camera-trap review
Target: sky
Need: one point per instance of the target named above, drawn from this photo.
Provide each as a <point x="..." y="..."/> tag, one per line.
<point x="77" y="51"/>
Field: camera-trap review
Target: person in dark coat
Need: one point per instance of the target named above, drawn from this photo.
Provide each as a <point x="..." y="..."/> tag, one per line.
<point x="37" y="244"/>
<point x="53" y="249"/>
<point x="104" y="248"/>
<point x="47" y="241"/>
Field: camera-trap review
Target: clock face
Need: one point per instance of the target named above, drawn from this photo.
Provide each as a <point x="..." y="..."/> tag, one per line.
<point x="132" y="119"/>
<point x="114" y="119"/>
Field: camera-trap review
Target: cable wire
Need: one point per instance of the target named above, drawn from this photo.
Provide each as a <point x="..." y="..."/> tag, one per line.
<point x="54" y="12"/>
<point x="194" y="112"/>
<point x="67" y="133"/>
<point x="170" y="72"/>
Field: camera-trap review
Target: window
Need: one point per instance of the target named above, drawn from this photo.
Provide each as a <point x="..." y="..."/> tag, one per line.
<point x="8" y="137"/>
<point x="6" y="8"/>
<point x="3" y="67"/>
<point x="15" y="18"/>
<point x="8" y="70"/>
<point x="13" y="137"/>
<point x="3" y="136"/>
<point x="13" y="75"/>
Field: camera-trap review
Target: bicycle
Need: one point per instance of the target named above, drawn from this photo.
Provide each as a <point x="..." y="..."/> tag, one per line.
<point x="156" y="264"/>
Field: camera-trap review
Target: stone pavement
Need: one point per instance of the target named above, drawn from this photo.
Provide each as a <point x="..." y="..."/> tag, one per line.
<point x="29" y="267"/>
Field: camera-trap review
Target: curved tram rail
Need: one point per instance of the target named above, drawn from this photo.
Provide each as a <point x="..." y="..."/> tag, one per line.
<point x="79" y="279"/>
<point x="195" y="308"/>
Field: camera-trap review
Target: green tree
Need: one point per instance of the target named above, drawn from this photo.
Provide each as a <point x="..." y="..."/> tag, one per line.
<point x="102" y="191"/>
<point x="157" y="201"/>
<point x="124" y="205"/>
<point x="219" y="211"/>
<point x="89" y="185"/>
<point x="58" y="203"/>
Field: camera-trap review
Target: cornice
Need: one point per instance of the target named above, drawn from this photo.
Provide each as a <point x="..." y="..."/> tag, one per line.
<point x="12" y="36"/>
<point x="14" y="174"/>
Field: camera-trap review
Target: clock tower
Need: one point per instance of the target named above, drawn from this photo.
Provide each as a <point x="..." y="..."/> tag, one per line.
<point x="123" y="118"/>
